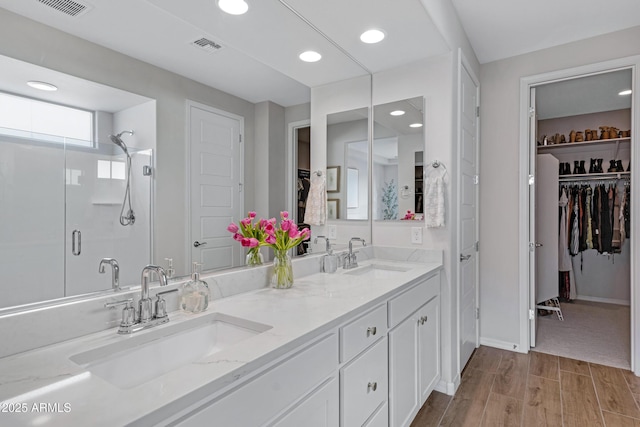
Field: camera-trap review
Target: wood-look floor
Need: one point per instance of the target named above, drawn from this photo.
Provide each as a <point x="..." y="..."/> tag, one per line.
<point x="502" y="388"/>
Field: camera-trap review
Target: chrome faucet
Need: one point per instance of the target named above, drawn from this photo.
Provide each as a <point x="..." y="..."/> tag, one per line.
<point x="145" y="311"/>
<point x="115" y="277"/>
<point x="350" y="259"/>
<point x="145" y="317"/>
<point x="326" y="239"/>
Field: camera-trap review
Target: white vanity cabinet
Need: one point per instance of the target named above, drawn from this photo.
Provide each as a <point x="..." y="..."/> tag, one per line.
<point x="375" y="369"/>
<point x="414" y="349"/>
<point x="301" y="390"/>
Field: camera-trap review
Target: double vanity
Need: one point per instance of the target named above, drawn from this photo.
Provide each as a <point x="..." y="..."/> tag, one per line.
<point x="358" y="347"/>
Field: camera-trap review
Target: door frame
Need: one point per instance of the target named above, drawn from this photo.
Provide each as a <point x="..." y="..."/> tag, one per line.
<point x="463" y="62"/>
<point x="292" y="162"/>
<point x="187" y="225"/>
<point x="525" y="214"/>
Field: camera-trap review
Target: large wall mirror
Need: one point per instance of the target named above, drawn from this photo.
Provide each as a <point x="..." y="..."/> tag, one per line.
<point x="48" y="216"/>
<point x="398" y="153"/>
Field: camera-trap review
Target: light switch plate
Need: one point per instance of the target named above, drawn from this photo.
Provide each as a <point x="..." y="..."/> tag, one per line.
<point x="416" y="235"/>
<point x="332" y="231"/>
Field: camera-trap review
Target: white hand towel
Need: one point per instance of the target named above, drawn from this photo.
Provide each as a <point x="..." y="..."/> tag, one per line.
<point x="434" y="202"/>
<point x="316" y="207"/>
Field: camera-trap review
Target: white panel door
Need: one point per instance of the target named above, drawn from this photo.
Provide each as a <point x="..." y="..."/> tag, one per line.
<point x="216" y="187"/>
<point x="468" y="211"/>
<point x="547" y="227"/>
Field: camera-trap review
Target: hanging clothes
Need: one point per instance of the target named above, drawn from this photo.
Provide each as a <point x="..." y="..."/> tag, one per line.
<point x="627" y="211"/>
<point x="589" y="214"/>
<point x="564" y="259"/>
<point x="574" y="239"/>
<point x="616" y="238"/>
<point x="606" y="231"/>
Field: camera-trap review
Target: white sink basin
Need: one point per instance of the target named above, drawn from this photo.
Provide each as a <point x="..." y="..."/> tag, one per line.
<point x="140" y="358"/>
<point x="378" y="271"/>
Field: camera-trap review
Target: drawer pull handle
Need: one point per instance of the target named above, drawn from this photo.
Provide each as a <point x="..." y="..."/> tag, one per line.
<point x="372" y="386"/>
<point x="371" y="330"/>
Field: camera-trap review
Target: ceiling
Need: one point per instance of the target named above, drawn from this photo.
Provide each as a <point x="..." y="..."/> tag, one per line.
<point x="499" y="29"/>
<point x="258" y="60"/>
<point x="72" y="91"/>
<point x="584" y="95"/>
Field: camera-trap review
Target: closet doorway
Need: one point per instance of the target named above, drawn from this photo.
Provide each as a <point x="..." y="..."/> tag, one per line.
<point x="581" y="151"/>
<point x="300" y="152"/>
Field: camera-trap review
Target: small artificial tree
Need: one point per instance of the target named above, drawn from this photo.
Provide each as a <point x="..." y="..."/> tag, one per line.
<point x="389" y="200"/>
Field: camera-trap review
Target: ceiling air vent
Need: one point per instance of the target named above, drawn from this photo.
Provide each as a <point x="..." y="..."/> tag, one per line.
<point x="68" y="7"/>
<point x="207" y="45"/>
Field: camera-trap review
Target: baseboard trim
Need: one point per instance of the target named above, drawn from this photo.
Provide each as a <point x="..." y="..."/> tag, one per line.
<point x="448" y="388"/>
<point x="605" y="300"/>
<point x="504" y="345"/>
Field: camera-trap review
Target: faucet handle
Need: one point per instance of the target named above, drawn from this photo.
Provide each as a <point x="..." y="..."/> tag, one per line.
<point x="117" y="303"/>
<point x="128" y="312"/>
<point x="161" y="304"/>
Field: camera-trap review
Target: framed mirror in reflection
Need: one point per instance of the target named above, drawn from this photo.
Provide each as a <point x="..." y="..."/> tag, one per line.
<point x="348" y="157"/>
<point x="398" y="147"/>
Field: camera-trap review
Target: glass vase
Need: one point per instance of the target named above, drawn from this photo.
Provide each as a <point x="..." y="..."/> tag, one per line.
<point x="282" y="277"/>
<point x="254" y="258"/>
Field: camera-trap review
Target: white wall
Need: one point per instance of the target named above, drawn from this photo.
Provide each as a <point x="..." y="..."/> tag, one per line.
<point x="500" y="313"/>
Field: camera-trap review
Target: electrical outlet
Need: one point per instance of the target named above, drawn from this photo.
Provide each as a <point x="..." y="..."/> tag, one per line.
<point x="416" y="235"/>
<point x="332" y="231"/>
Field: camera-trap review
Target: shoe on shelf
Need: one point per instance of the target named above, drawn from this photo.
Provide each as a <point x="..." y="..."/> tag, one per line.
<point x="592" y="166"/>
<point x="612" y="166"/>
<point x="619" y="167"/>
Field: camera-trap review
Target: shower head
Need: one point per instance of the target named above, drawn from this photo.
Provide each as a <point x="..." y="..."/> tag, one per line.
<point x="116" y="139"/>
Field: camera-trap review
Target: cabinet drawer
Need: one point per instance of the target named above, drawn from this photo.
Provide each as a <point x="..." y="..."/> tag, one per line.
<point x="262" y="398"/>
<point x="364" y="385"/>
<point x="362" y="332"/>
<point x="403" y="305"/>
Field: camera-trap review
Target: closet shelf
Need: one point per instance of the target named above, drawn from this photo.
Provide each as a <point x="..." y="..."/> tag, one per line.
<point x="570" y="145"/>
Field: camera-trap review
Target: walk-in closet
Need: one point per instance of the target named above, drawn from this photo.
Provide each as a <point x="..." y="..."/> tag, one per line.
<point x="582" y="218"/>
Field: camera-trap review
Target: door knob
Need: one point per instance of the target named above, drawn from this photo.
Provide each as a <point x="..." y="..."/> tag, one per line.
<point x="538" y="244"/>
<point x="196" y="244"/>
<point x="464" y="257"/>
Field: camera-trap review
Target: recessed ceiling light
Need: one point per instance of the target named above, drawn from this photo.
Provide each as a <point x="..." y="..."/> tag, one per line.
<point x="310" y="56"/>
<point x="42" y="86"/>
<point x="415" y="125"/>
<point x="397" y="113"/>
<point x="625" y="92"/>
<point x="233" y="7"/>
<point x="372" y="36"/>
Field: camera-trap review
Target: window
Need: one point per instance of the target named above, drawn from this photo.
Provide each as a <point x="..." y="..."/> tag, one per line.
<point x="44" y="121"/>
<point x="108" y="169"/>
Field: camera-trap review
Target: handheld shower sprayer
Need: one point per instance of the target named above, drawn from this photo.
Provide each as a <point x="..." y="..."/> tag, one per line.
<point x="130" y="217"/>
<point x="117" y="140"/>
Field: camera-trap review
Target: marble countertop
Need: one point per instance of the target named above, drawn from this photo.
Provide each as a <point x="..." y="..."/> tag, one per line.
<point x="51" y="390"/>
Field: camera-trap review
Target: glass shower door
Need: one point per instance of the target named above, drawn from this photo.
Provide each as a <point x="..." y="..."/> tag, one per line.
<point x="32" y="223"/>
<point x="95" y="188"/>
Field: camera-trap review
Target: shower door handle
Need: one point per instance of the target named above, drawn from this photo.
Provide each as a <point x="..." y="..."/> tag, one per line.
<point x="76" y="240"/>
